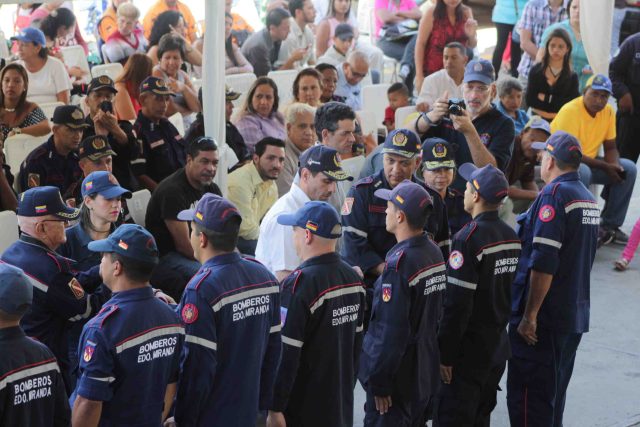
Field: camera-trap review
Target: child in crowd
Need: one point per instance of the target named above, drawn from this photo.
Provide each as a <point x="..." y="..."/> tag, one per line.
<point x="398" y="95"/>
<point x="629" y="251"/>
<point x="510" y="95"/>
<point x="342" y="43"/>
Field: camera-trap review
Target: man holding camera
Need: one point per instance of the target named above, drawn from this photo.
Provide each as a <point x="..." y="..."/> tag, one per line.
<point x="482" y="134"/>
<point x="593" y="122"/>
<point x="103" y="121"/>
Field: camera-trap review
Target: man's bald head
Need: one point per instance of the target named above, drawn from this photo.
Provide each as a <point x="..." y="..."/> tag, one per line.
<point x="356" y="67"/>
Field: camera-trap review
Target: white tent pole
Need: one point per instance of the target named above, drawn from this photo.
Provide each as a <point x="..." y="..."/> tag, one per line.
<point x="596" y="19"/>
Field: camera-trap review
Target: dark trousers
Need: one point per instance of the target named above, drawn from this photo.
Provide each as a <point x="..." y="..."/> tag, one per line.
<point x="393" y="49"/>
<point x="400" y="414"/>
<point x="408" y="59"/>
<point x="628" y="139"/>
<point x="470" y="398"/>
<point x="504" y="34"/>
<point x="538" y="377"/>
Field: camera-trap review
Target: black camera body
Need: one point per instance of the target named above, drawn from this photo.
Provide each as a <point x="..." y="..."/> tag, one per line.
<point x="106" y="106"/>
<point x="456" y="105"/>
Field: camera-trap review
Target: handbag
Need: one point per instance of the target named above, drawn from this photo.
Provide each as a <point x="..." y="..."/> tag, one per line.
<point x="402" y="30"/>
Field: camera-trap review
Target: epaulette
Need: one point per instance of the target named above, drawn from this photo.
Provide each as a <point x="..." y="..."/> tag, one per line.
<point x="467" y="231"/>
<point x="453" y="192"/>
<point x="204" y="273"/>
<point x="551" y="188"/>
<point x="364" y="181"/>
<point x="105" y="313"/>
<point x="294" y="278"/>
<point x="393" y="260"/>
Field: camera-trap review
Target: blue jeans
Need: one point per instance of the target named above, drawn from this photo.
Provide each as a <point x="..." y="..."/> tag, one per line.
<point x="185" y="267"/>
<point x="617" y="196"/>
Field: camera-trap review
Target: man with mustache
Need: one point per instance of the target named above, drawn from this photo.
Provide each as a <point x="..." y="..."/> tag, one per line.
<point x="179" y="191"/>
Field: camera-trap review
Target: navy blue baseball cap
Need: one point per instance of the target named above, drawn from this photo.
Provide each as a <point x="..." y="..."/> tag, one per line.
<point x="104" y="184"/>
<point x="30" y="35"/>
<point x="211" y="212"/>
<point x="321" y="158"/>
<point x="16" y="292"/>
<point x="437" y="154"/>
<point x="131" y="241"/>
<point x="402" y="142"/>
<point x="563" y="146"/>
<point x="409" y="197"/>
<point x="69" y="115"/>
<point x="489" y="181"/>
<point x="320" y="218"/>
<point x="479" y="70"/>
<point x="43" y="201"/>
<point x="95" y="147"/>
<point x="155" y="85"/>
<point x="600" y="82"/>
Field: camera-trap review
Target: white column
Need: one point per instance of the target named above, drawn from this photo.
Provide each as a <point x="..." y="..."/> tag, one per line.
<point x="596" y="18"/>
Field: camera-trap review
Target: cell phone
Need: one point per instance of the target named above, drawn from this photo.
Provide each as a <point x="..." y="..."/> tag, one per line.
<point x="106" y="106"/>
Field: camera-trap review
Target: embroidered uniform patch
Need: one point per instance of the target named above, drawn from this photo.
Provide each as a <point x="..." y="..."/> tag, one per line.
<point x="189" y="313"/>
<point x="547" y="213"/>
<point x="88" y="353"/>
<point x="456" y="260"/>
<point x="386" y="292"/>
<point x="346" y="206"/>
<point x="76" y="288"/>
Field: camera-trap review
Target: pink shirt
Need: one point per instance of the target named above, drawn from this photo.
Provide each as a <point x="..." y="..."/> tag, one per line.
<point x="392" y="6"/>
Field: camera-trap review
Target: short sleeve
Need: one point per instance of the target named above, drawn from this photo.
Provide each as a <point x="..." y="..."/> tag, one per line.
<point x="611" y="125"/>
<point x="171" y="203"/>
<point x="59" y="76"/>
<point x="33" y="118"/>
<point x="97" y="366"/>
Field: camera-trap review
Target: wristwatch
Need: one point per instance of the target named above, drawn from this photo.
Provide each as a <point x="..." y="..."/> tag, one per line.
<point x="430" y="122"/>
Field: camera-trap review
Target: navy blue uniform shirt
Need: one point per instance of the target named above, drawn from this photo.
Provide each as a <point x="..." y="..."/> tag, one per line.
<point x="482" y="265"/>
<point x="322" y="314"/>
<point x="44" y="166"/>
<point x="32" y="392"/>
<point x="162" y="149"/>
<point x="129" y="353"/>
<point x="559" y="235"/>
<point x="400" y="350"/>
<point x="624" y="70"/>
<point x="231" y="313"/>
<point x="61" y="295"/>
<point x="457" y="216"/>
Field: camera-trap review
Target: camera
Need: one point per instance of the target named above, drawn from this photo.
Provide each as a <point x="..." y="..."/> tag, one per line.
<point x="456" y="105"/>
<point x="106" y="106"/>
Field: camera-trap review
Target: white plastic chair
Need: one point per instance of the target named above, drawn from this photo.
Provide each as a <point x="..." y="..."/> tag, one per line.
<point x="9" y="227"/>
<point x="111" y="70"/>
<point x="4" y="48"/>
<point x="197" y="84"/>
<point x="374" y="98"/>
<point x="137" y="205"/>
<point x="178" y="121"/>
<point x="74" y="56"/>
<point x="367" y="122"/>
<point x="18" y="147"/>
<point x="284" y="81"/>
<point x="240" y="83"/>
<point x="49" y="107"/>
<point x="402" y="113"/>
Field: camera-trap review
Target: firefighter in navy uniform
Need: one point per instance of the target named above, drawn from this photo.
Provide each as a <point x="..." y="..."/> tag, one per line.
<point x="366" y="241"/>
<point x="130" y="351"/>
<point x="399" y="361"/>
<point x="322" y="314"/>
<point x="61" y="295"/>
<point x="231" y="313"/>
<point x="550" y="308"/>
<point x="31" y="388"/>
<point x="473" y="339"/>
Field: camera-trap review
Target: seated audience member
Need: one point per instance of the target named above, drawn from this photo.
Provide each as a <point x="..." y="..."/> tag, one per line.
<point x="300" y="38"/>
<point x="300" y="136"/>
<point x="253" y="190"/>
<point x="60" y="28"/>
<point x="171" y="54"/>
<point x="307" y="87"/>
<point x="127" y="39"/>
<point x="398" y="96"/>
<point x="350" y="75"/>
<point x="592" y="121"/>
<point x="438" y="170"/>
<point x="482" y="134"/>
<point x="108" y="23"/>
<point x="137" y="68"/>
<point x="259" y="116"/>
<point x="329" y="83"/>
<point x="552" y="82"/>
<point x="17" y="115"/>
<point x="521" y="170"/>
<point x="162" y="6"/>
<point x="55" y="162"/>
<point x="172" y="22"/>
<point x="179" y="191"/>
<point x="261" y="48"/>
<point x="234" y="60"/>
<point x="319" y="174"/>
<point x="162" y="147"/>
<point x="8" y="200"/>
<point x="449" y="79"/>
<point x="342" y="43"/>
<point x="393" y="15"/>
<point x="234" y="139"/>
<point x="23" y="15"/>
<point x="510" y="100"/>
<point x="240" y="29"/>
<point x="47" y="75"/>
<point x="119" y="133"/>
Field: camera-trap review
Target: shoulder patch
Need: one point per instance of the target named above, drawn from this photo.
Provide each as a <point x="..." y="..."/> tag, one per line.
<point x="393" y="260"/>
<point x="295" y="278"/>
<point x="76" y="288"/>
<point x="189" y="313"/>
<point x="386" y="292"/>
<point x="107" y="312"/>
<point x="546" y="213"/>
<point x="364" y="181"/>
<point x="456" y="260"/>
<point x="88" y="351"/>
<point x="347" y="206"/>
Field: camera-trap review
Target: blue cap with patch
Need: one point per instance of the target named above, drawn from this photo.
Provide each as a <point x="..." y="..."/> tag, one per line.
<point x="563" y="146"/>
<point x="43" y="201"/>
<point x="320" y="218"/>
<point x="479" y="70"/>
<point x="402" y="142"/>
<point x="211" y="212"/>
<point x="437" y="154"/>
<point x="320" y="158"/>
<point x="489" y="181"/>
<point x="30" y="35"/>
<point x="411" y="198"/>
<point x="537" y="122"/>
<point x="16" y="292"/>
<point x="104" y="184"/>
<point x="155" y="85"/>
<point x="131" y="241"/>
<point x="600" y="82"/>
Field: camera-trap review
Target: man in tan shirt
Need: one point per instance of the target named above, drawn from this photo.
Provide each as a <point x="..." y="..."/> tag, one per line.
<point x="252" y="188"/>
